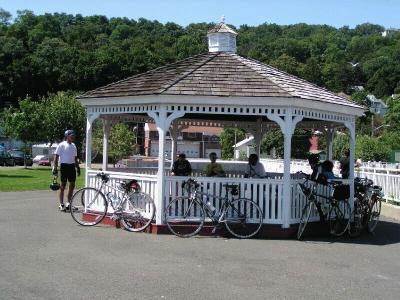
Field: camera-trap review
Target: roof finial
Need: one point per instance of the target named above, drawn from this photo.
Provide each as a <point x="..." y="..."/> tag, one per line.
<point x="223" y="19"/>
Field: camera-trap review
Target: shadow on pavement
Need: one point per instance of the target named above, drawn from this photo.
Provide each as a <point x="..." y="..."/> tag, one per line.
<point x="387" y="232"/>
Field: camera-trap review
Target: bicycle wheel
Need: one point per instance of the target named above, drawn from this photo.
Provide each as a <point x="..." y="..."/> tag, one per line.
<point x="243" y="218"/>
<point x="356" y="219"/>
<point x="305" y="216"/>
<point x="138" y="212"/>
<point x="88" y="206"/>
<point x="184" y="216"/>
<point x="374" y="213"/>
<point x="339" y="217"/>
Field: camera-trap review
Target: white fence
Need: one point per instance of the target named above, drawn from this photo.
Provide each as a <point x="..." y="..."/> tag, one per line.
<point x="267" y="193"/>
<point x="390" y="183"/>
<point x="148" y="183"/>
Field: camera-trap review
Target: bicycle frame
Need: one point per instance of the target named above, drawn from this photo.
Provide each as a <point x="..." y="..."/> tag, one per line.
<point x="313" y="196"/>
<point x="120" y="203"/>
<point x="215" y="217"/>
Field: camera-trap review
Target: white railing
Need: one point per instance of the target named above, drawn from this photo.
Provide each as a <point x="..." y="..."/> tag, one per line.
<point x="267" y="193"/>
<point x="390" y="184"/>
<point x="148" y="183"/>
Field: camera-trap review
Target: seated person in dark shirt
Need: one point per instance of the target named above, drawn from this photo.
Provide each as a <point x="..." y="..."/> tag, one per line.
<point x="313" y="160"/>
<point x="327" y="170"/>
<point x="181" y="166"/>
<point x="345" y="164"/>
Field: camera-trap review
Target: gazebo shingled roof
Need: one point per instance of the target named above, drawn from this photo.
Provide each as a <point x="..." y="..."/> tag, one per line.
<point x="218" y="74"/>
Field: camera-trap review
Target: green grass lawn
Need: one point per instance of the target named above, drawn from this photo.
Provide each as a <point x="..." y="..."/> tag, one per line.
<point x="34" y="178"/>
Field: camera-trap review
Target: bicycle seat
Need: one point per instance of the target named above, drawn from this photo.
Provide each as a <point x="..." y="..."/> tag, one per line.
<point x="130" y="185"/>
<point x="103" y="177"/>
<point x="377" y="187"/>
<point x="190" y="183"/>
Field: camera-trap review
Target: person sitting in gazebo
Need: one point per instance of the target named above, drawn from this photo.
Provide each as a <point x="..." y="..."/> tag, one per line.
<point x="254" y="169"/>
<point x="327" y="170"/>
<point x="181" y="166"/>
<point x="213" y="169"/>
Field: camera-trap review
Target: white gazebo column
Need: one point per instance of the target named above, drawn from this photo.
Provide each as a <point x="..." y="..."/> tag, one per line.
<point x="174" y="131"/>
<point x="258" y="136"/>
<point x="106" y="134"/>
<point x="163" y="120"/>
<point x="287" y="125"/>
<point x="330" y="134"/>
<point x="352" y="131"/>
<point x="90" y="117"/>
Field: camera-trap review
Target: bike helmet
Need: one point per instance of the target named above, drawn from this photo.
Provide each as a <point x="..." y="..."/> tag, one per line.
<point x="69" y="132"/>
<point x="54" y="185"/>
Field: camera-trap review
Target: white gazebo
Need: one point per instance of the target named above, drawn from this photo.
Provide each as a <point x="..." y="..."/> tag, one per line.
<point x="221" y="88"/>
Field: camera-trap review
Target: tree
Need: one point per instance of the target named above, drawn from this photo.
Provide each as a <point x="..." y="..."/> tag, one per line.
<point x="120" y="141"/>
<point x="341" y="142"/>
<point x="5" y="17"/>
<point x="372" y="149"/>
<point x="228" y="141"/>
<point x="392" y="116"/>
<point x="63" y="111"/>
<point x="24" y="123"/>
<point x="300" y="143"/>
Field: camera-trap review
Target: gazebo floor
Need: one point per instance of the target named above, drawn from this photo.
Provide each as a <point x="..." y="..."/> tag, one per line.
<point x="266" y="231"/>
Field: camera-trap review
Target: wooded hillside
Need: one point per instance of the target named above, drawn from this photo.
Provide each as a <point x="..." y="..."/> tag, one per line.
<point x="53" y="52"/>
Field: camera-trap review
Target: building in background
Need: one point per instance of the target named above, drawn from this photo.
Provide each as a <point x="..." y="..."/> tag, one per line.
<point x="376" y="106"/>
<point x="44" y="149"/>
<point x="194" y="141"/>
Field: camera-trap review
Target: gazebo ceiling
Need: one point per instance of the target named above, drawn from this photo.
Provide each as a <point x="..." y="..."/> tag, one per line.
<point x="224" y="121"/>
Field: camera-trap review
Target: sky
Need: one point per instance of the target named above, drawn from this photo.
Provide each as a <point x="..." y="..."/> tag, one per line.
<point x="336" y="13"/>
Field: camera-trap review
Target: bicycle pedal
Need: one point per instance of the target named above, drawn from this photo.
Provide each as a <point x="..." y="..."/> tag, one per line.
<point x="115" y="217"/>
<point x="214" y="230"/>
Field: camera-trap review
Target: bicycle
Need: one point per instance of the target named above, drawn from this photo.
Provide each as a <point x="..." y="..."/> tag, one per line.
<point x="185" y="216"/>
<point x="367" y="206"/>
<point x="134" y="209"/>
<point x="339" y="210"/>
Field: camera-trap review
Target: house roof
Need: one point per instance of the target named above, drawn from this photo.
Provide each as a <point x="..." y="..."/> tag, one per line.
<point x="218" y="74"/>
<point x="206" y="130"/>
<point x="221" y="27"/>
<point x="244" y="142"/>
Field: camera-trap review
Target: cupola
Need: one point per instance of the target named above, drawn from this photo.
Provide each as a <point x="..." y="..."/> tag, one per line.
<point x="222" y="38"/>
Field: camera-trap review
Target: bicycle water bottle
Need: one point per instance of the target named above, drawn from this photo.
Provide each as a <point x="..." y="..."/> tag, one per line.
<point x="112" y="198"/>
<point x="210" y="206"/>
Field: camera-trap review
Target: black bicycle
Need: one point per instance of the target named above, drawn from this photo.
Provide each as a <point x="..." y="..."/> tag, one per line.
<point x="367" y="206"/>
<point x="185" y="216"/>
<point x="338" y="208"/>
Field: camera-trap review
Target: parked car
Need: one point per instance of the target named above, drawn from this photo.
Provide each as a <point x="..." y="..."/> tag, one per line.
<point x="6" y="159"/>
<point x="19" y="157"/>
<point x="37" y="158"/>
<point x="44" y="161"/>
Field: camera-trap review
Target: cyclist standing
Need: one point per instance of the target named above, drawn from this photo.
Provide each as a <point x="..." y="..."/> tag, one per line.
<point x="66" y="156"/>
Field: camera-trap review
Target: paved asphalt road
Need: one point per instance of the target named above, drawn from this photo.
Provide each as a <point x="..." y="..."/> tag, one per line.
<point x="44" y="254"/>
